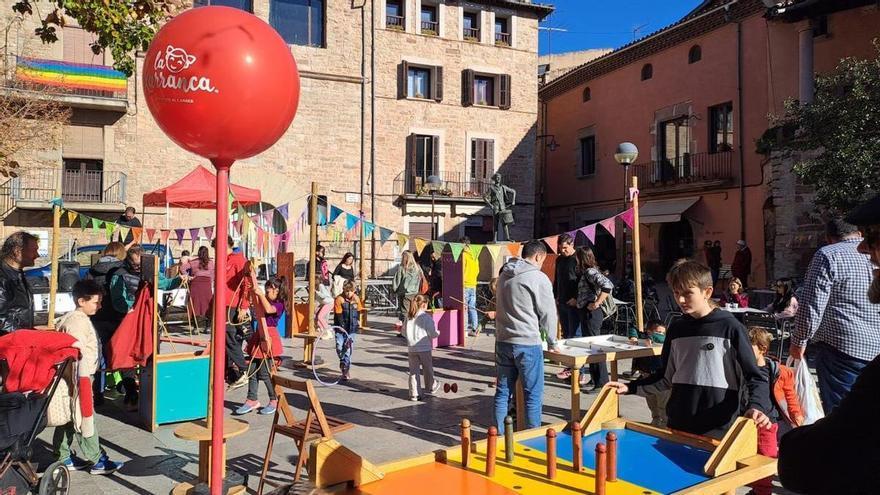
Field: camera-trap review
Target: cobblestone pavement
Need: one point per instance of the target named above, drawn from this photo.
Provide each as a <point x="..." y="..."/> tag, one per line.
<point x="388" y="425"/>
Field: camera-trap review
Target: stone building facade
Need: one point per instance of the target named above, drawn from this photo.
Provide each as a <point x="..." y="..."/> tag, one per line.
<point x="461" y="133"/>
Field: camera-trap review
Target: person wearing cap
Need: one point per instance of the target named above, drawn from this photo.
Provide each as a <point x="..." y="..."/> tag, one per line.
<point x="840" y="453"/>
<point x="835" y="315"/>
<point x="742" y="262"/>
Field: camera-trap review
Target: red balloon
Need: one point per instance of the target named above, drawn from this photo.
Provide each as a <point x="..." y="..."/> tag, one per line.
<point x="221" y="83"/>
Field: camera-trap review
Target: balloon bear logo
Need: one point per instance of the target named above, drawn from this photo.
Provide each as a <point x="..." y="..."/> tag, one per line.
<point x="176" y="59"/>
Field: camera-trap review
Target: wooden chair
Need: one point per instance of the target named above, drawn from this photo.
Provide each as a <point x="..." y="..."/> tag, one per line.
<point x="314" y="426"/>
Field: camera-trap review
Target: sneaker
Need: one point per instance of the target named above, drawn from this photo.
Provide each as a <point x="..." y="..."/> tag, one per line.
<point x="241" y="382"/>
<point x="471" y="333"/>
<point x="346" y="376"/>
<point x="414" y="398"/>
<point x="564" y="374"/>
<point x="105" y="466"/>
<point x="270" y="408"/>
<point x="248" y="406"/>
<point x="584" y="381"/>
<point x="435" y="388"/>
<point x="74" y="463"/>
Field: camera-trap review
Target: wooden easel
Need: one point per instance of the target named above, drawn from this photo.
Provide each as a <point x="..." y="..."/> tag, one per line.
<point x="314" y="426"/>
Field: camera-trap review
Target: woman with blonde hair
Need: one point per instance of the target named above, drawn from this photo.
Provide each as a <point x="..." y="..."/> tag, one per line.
<point x="406" y="284"/>
<point x="420" y="334"/>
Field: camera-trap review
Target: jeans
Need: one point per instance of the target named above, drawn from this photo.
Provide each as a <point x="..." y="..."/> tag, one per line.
<point x="837" y="372"/>
<point x="259" y="372"/>
<point x="569" y="318"/>
<point x="591" y="326"/>
<point x="420" y="360"/>
<point x="470" y="300"/>
<point x="344" y="345"/>
<point x="513" y="362"/>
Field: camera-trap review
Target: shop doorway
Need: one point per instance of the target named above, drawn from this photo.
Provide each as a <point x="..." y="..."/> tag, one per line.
<point x="676" y="241"/>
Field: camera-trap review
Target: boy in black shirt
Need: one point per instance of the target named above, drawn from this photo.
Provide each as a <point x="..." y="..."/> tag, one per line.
<point x="706" y="360"/>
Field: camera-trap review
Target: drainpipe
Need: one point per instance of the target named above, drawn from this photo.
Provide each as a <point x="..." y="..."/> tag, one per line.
<point x="805" y="63"/>
<point x="363" y="125"/>
<point x="741" y="127"/>
<point x="373" y="134"/>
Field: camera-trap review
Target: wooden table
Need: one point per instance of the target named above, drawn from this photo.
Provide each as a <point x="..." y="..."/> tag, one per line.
<point x="581" y="351"/>
<point x="199" y="431"/>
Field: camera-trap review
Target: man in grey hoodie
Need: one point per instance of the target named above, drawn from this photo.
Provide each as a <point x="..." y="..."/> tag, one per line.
<point x="525" y="309"/>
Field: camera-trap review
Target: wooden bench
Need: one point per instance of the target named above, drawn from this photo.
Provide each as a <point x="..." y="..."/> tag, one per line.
<point x="313" y="426"/>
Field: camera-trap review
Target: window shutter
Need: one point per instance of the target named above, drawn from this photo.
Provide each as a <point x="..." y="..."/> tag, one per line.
<point x="490" y="158"/>
<point x="467" y="87"/>
<point x="435" y="163"/>
<point x="411" y="146"/>
<point x="402" y="80"/>
<point x="437" y="84"/>
<point x="504" y="96"/>
<point x="477" y="149"/>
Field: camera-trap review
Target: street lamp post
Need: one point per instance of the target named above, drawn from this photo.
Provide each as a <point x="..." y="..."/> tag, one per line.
<point x="433" y="184"/>
<point x="626" y="154"/>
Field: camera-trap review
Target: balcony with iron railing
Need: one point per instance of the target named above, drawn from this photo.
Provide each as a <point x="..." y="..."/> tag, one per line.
<point x="92" y="189"/>
<point x="394" y="22"/>
<point x="471" y="34"/>
<point x="686" y="171"/>
<point x="502" y="38"/>
<point x="78" y="85"/>
<point x="456" y="185"/>
<point x="431" y="28"/>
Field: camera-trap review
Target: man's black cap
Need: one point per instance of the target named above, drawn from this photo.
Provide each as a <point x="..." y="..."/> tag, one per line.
<point x="868" y="213"/>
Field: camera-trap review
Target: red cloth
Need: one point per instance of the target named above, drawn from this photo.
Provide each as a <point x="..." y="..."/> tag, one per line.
<point x="767" y="445"/>
<point x="235" y="263"/>
<point x="198" y="190"/>
<point x="32" y="355"/>
<point x="132" y="344"/>
<point x="742" y="264"/>
<point x="254" y="349"/>
<point x="786" y="396"/>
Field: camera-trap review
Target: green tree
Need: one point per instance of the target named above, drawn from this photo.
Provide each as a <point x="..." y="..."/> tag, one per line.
<point x="121" y="26"/>
<point x="838" y="134"/>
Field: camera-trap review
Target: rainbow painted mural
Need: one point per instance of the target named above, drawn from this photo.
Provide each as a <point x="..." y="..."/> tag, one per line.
<point x="70" y="76"/>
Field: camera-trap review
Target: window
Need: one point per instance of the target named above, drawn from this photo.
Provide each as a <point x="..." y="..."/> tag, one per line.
<point x="647" y="72"/>
<point x="588" y="156"/>
<point x="394" y="17"/>
<point x="424" y="160"/>
<point x="820" y="26"/>
<point x="502" y="31"/>
<point x="83" y="180"/>
<point x="246" y="5"/>
<point x="421" y="82"/>
<point x="721" y="128"/>
<point x="587" y="94"/>
<point x="430" y="25"/>
<point x="485" y="89"/>
<point x="482" y="164"/>
<point x="471" y="26"/>
<point x="299" y="22"/>
<point x="675" y="141"/>
<point x="695" y="54"/>
<point x="78" y="46"/>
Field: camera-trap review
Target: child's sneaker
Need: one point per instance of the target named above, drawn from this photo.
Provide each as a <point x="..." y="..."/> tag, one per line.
<point x="270" y="408"/>
<point x="74" y="463"/>
<point x="584" y="380"/>
<point x="434" y="388"/>
<point x="415" y="398"/>
<point x="248" y="406"/>
<point x="104" y="466"/>
<point x="241" y="382"/>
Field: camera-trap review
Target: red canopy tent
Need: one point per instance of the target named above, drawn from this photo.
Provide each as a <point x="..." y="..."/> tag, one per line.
<point x="198" y="190"/>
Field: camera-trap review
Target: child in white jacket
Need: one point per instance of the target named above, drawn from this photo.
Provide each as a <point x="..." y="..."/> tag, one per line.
<point x="420" y="333"/>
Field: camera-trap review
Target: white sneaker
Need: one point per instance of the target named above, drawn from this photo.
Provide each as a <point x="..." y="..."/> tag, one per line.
<point x="414" y="399"/>
<point x="241" y="382"/>
<point x="435" y="388"/>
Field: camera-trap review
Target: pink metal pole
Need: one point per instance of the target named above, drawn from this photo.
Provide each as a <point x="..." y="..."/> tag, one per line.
<point x="219" y="340"/>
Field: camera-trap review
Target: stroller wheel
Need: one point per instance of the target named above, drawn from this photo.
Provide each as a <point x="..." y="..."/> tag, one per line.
<point x="55" y="481"/>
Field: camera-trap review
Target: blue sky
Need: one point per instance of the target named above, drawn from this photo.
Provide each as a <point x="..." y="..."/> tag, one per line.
<point x="606" y="23"/>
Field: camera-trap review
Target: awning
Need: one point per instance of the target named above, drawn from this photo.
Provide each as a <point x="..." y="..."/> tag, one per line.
<point x="665" y="210"/>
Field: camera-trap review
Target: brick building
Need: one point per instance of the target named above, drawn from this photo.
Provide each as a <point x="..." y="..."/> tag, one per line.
<point x="694" y="98"/>
<point x="454" y="93"/>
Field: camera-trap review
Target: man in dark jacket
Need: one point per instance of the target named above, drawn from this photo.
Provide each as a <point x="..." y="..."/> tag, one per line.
<point x="565" y="287"/>
<point x="16" y="301"/>
<point x="741" y="267"/>
<point x="840" y="453"/>
<point x="129" y="219"/>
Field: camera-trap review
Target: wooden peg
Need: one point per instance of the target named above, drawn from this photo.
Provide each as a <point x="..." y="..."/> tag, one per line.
<point x="600" y="469"/>
<point x="551" y="453"/>
<point x="577" y="446"/>
<point x="508" y="439"/>
<point x="465" y="442"/>
<point x="491" y="442"/>
<point x="611" y="471"/>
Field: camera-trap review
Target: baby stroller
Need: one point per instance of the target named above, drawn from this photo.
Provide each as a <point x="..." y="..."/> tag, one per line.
<point x="32" y="363"/>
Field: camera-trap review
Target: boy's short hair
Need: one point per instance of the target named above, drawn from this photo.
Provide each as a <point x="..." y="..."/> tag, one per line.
<point x="348" y="286"/>
<point x="533" y="248"/>
<point x="86" y="289"/>
<point x="654" y="324"/>
<point x="760" y="337"/>
<point x="689" y="273"/>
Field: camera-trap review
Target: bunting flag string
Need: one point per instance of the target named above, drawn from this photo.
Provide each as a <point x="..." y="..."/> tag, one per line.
<point x="628" y="217"/>
<point x="71" y="216"/>
<point x="96" y="224"/>
<point x="551" y="242"/>
<point x="420" y="244"/>
<point x="589" y="232"/>
<point x="438" y="246"/>
<point x="609" y="225"/>
<point x="475" y="250"/>
<point x="494" y="250"/>
<point x="402" y="240"/>
<point x="456" y="248"/>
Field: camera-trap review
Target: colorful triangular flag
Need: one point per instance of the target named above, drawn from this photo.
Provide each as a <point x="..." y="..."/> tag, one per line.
<point x="163" y="234"/>
<point x="123" y="232"/>
<point x="179" y="233"/>
<point x="494" y="250"/>
<point x="71" y="216"/>
<point x="456" y="248"/>
<point x="628" y="216"/>
<point x="609" y="225"/>
<point x="137" y="232"/>
<point x="589" y="232"/>
<point x="194" y="233"/>
<point x="334" y="213"/>
<point x="368" y="228"/>
<point x="322" y="217"/>
<point x="282" y="210"/>
<point x="151" y="234"/>
<point x="110" y="227"/>
<point x="84" y="222"/>
<point x="402" y="240"/>
<point x="438" y="246"/>
<point x="551" y="242"/>
<point x="514" y="248"/>
<point x="96" y="224"/>
<point x="420" y="244"/>
<point x="351" y="221"/>
<point x="385" y="234"/>
<point x="209" y="232"/>
<point x="276" y="241"/>
<point x="475" y="250"/>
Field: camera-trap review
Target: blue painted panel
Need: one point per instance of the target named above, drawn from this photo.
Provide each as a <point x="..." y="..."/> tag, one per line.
<point x="181" y="390"/>
<point x="654" y="463"/>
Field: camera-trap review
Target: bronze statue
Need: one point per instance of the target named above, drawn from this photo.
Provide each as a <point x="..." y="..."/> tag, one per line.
<point x="501" y="199"/>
